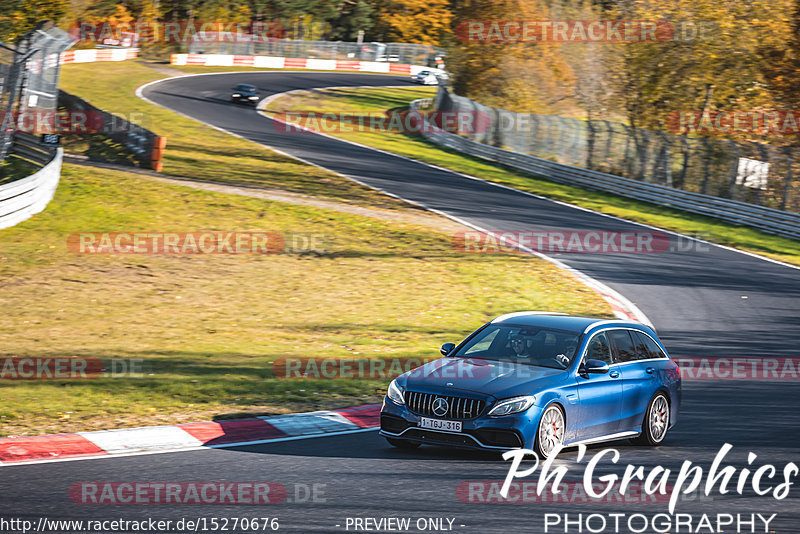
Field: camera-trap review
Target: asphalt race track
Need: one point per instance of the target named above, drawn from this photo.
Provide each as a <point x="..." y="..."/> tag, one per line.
<point x="692" y="295"/>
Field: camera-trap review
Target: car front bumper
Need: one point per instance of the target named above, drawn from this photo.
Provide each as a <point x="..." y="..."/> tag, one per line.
<point x="244" y="100"/>
<point x="483" y="432"/>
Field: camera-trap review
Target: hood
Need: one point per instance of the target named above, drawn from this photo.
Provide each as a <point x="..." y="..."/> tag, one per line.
<point x="489" y="377"/>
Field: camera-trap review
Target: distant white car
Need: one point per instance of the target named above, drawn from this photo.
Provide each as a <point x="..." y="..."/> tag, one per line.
<point x="425" y="77"/>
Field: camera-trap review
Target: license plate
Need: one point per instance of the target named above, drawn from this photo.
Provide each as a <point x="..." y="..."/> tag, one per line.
<point x="440" y="424"/>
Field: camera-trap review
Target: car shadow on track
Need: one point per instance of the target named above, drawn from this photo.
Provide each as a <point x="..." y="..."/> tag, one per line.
<point x="369" y="445"/>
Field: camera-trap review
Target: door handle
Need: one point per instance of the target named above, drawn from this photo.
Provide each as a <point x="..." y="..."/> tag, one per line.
<point x="613" y="374"/>
<point x="650" y="370"/>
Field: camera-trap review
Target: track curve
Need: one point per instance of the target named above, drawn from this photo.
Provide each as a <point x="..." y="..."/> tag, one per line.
<point x="694" y="298"/>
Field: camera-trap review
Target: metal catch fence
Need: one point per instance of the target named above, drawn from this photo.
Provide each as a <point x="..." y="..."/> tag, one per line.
<point x="29" y="71"/>
<point x="753" y="173"/>
<point x="253" y="45"/>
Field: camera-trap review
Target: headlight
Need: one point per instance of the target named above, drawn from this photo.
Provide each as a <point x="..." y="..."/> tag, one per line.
<point x="236" y="95"/>
<point x="253" y="97"/>
<point x="513" y="405"/>
<point x="395" y="394"/>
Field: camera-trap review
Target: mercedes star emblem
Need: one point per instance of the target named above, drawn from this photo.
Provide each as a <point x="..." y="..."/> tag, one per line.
<point x="440" y="406"/>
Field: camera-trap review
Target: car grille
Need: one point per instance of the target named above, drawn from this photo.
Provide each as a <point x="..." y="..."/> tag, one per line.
<point x="458" y="407"/>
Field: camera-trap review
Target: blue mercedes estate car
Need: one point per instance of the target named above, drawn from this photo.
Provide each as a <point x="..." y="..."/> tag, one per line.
<point x="535" y="380"/>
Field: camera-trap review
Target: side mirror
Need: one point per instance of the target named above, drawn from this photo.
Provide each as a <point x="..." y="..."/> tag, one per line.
<point x="447" y="348"/>
<point x="594" y="367"/>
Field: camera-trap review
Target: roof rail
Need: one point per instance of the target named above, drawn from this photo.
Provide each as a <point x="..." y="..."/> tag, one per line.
<point x="610" y="321"/>
<point x="521" y="313"/>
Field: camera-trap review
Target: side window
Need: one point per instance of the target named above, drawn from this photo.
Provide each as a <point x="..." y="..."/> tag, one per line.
<point x="598" y="349"/>
<point x="652" y="350"/>
<point x="624" y="348"/>
<point x="642" y="350"/>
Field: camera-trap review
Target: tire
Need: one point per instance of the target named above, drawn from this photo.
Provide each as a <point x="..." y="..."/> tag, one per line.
<point x="656" y="422"/>
<point x="402" y="443"/>
<point x="550" y="431"/>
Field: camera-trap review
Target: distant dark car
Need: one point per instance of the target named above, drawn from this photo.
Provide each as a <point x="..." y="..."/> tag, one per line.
<point x="245" y="93"/>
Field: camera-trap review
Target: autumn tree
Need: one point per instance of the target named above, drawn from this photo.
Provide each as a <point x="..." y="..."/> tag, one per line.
<point x="413" y="21"/>
<point x="781" y="67"/>
<point x="710" y="63"/>
<point x="20" y="16"/>
<point x="516" y="75"/>
<point x="353" y="17"/>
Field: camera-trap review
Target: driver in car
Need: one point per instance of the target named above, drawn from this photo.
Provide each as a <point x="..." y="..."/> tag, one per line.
<point x="521" y="346"/>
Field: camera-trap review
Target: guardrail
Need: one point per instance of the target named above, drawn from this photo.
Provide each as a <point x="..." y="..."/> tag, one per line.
<point x="21" y="199"/>
<point x="147" y="146"/>
<point x="29" y="147"/>
<point x="765" y="219"/>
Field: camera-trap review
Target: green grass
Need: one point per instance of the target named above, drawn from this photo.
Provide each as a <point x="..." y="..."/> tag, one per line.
<point x="209" y="327"/>
<point x="415" y="146"/>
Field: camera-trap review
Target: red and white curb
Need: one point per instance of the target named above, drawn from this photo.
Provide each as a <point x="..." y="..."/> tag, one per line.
<point x="99" y="54"/>
<point x="277" y="62"/>
<point x="189" y="436"/>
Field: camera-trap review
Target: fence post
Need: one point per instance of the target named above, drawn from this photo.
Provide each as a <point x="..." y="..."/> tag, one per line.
<point x="765" y="156"/>
<point x="787" y="186"/>
<point x="663" y="161"/>
<point x="706" y="166"/>
<point x="626" y="158"/>
<point x="685" y="150"/>
<point x="642" y="153"/>
<point x="589" y="143"/>
<point x="734" y="172"/>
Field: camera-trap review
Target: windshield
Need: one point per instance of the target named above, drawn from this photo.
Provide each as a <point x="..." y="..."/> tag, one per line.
<point x="522" y="344"/>
<point x="245" y="88"/>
